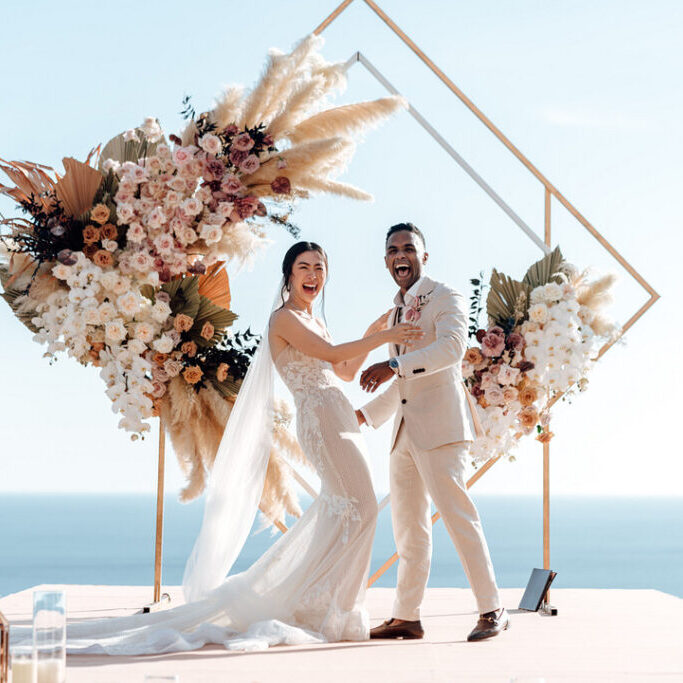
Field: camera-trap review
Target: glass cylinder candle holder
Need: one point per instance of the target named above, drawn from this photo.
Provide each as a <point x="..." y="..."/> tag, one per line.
<point x="23" y="664"/>
<point x="49" y="636"/>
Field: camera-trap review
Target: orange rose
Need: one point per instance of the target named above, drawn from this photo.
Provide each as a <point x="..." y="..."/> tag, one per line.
<point x="544" y="437"/>
<point x="183" y="323"/>
<point x="473" y="356"/>
<point x="160" y="358"/>
<point x="189" y="348"/>
<point x="222" y="372"/>
<point x="193" y="374"/>
<point x="207" y="330"/>
<point x="483" y="402"/>
<point x="102" y="258"/>
<point x="100" y="214"/>
<point x="91" y="234"/>
<point x="528" y="418"/>
<point x="109" y="231"/>
<point x="528" y="395"/>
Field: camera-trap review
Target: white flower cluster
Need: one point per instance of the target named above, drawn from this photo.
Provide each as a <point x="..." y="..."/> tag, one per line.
<point x="561" y="344"/>
<point x="103" y="319"/>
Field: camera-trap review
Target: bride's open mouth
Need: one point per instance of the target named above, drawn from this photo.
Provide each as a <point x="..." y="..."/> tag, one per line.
<point x="310" y="288"/>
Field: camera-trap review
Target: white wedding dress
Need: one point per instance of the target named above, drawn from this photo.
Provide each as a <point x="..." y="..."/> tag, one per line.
<point x="310" y="585"/>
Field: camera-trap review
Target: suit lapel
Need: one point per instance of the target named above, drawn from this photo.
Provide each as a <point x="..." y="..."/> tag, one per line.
<point x="393" y="324"/>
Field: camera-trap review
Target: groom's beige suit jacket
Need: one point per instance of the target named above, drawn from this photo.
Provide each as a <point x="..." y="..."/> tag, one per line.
<point x="428" y="394"/>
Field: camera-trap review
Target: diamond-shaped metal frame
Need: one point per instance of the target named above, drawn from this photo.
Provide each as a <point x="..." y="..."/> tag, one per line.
<point x="549" y="191"/>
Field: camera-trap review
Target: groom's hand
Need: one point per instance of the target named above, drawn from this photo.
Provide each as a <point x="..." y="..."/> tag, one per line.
<point x="376" y="375"/>
<point x="360" y="417"/>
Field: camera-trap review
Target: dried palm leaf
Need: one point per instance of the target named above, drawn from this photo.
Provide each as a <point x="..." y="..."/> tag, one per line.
<point x="30" y="180"/>
<point x="544" y="270"/>
<point x="215" y="286"/>
<point x="77" y="188"/>
<point x="219" y="317"/>
<point x="503" y="297"/>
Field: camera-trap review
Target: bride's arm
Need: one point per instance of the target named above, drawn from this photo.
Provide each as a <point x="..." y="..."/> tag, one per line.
<point x="286" y="325"/>
<point x="347" y="369"/>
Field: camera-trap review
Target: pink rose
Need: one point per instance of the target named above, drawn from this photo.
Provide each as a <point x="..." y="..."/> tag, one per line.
<point x="497" y="331"/>
<point x="492" y="345"/>
<point x="237" y="156"/>
<point x="231" y="129"/>
<point x="158" y="389"/>
<point x="508" y="375"/>
<point x="488" y="381"/>
<point x="182" y="155"/>
<point x="412" y="315"/>
<point x="159" y="374"/>
<point x="243" y="142"/>
<point x="268" y="140"/>
<point x="213" y="169"/>
<point x="232" y="185"/>
<point x="250" y="164"/>
<point x="510" y="394"/>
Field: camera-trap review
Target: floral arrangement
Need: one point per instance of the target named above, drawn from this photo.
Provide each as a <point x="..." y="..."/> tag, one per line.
<point x="543" y="336"/>
<point x="118" y="262"/>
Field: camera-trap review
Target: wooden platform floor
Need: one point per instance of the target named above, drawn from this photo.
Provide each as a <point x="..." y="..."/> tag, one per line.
<point x="599" y="635"/>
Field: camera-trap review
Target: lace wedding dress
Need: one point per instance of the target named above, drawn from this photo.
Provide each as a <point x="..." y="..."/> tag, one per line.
<point x="310" y="585"/>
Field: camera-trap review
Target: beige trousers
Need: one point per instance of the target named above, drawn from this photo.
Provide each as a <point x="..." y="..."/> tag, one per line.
<point x="415" y="476"/>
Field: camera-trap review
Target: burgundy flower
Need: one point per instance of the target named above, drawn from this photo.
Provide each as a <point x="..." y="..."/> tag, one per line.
<point x="163" y="296"/>
<point x="237" y="156"/>
<point x="497" y="331"/>
<point x="165" y="274"/>
<point x="250" y="164"/>
<point x="246" y="207"/>
<point x="281" y="185"/>
<point x="268" y="140"/>
<point x="213" y="169"/>
<point x="231" y="129"/>
<point x="198" y="268"/>
<point x="525" y="366"/>
<point x="477" y="391"/>
<point x="243" y="142"/>
<point x="480" y="335"/>
<point x="261" y="210"/>
<point x="515" y="341"/>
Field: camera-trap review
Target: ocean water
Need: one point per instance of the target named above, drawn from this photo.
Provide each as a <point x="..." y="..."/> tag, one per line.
<point x="109" y="539"/>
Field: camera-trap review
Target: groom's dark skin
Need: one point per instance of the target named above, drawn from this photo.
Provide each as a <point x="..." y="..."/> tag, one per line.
<point x="402" y="248"/>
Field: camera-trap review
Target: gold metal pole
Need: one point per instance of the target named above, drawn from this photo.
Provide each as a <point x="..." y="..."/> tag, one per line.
<point x="546" y="446"/>
<point x="332" y="17"/>
<point x="158" y="545"/>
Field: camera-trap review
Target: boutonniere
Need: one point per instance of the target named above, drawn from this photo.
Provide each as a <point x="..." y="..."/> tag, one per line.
<point x="415" y="305"/>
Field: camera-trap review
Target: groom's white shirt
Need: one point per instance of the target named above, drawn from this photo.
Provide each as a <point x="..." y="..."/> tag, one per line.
<point x="428" y="393"/>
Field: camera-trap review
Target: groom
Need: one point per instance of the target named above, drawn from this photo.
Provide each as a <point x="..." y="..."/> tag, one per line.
<point x="433" y="428"/>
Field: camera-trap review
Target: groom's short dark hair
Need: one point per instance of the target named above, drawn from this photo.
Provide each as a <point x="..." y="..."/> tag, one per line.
<point x="409" y="227"/>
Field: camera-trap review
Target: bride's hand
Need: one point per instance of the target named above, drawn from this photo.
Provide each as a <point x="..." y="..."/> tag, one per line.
<point x="381" y="323"/>
<point x="403" y="333"/>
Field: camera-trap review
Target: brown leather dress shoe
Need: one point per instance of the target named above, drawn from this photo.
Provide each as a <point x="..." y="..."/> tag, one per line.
<point x="391" y="628"/>
<point x="490" y="625"/>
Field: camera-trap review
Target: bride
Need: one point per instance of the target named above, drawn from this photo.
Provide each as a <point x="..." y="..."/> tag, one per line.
<point x="310" y="585"/>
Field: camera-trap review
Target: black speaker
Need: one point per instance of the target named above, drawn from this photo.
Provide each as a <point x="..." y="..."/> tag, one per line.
<point x="536" y="589"/>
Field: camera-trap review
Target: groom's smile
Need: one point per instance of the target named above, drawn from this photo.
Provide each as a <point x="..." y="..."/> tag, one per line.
<point x="405" y="258"/>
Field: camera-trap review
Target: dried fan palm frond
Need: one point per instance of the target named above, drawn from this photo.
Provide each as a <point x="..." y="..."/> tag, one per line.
<point x="215" y="285"/>
<point x="30" y="180"/>
<point x="278" y="497"/>
<point x="544" y="270"/>
<point x="76" y="189"/>
<point x="503" y="297"/>
<point x="228" y="107"/>
<point x="346" y="120"/>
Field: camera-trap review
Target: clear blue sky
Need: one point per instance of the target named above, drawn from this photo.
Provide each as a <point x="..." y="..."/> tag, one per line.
<point x="588" y="91"/>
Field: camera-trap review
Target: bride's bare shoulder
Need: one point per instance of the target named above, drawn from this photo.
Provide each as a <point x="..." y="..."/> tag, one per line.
<point x="280" y="317"/>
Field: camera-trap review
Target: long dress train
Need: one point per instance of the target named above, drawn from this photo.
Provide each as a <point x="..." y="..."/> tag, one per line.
<point x="309" y="586"/>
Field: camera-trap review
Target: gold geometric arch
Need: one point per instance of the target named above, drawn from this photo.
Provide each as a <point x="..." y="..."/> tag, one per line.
<point x="550" y="193"/>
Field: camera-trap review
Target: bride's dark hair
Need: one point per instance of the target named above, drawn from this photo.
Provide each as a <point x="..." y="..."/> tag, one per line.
<point x="288" y="265"/>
